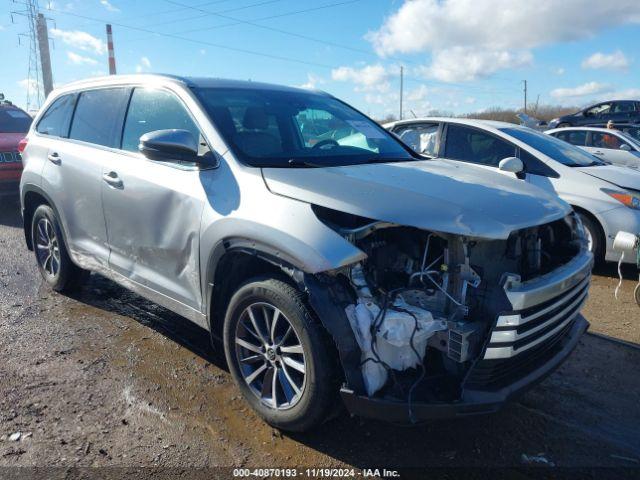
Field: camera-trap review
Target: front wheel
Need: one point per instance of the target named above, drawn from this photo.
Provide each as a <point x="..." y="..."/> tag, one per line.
<point x="278" y="355"/>
<point x="55" y="266"/>
<point x="595" y="242"/>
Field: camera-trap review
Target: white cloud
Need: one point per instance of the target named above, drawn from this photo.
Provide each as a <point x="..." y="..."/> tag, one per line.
<point x="615" y="60"/>
<point x="80" y="60"/>
<point x="144" y="64"/>
<point x="468" y="63"/>
<point x="368" y="78"/>
<point x="586" y="89"/>
<point x="559" y="71"/>
<point x="503" y="30"/>
<point x="80" y="40"/>
<point x="106" y="4"/>
<point x="312" y="81"/>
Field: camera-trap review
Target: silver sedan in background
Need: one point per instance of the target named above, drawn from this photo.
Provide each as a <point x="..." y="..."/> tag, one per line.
<point x="613" y="146"/>
<point x="607" y="197"/>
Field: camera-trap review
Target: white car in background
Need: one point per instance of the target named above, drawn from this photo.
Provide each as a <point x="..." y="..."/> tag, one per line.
<point x="611" y="145"/>
<point x="607" y="197"/>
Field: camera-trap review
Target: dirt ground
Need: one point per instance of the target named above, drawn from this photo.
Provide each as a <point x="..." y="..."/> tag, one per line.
<point x="107" y="379"/>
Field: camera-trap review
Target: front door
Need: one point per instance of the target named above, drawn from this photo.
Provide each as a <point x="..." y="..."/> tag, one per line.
<point x="609" y="147"/>
<point x="476" y="146"/>
<point x="153" y="209"/>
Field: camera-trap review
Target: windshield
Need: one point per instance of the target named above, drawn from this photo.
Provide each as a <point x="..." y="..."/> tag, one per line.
<point x="630" y="138"/>
<point x="271" y="128"/>
<point x="554" y="148"/>
<point x="13" y="120"/>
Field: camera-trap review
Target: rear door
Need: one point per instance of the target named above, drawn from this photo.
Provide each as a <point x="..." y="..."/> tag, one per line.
<point x="152" y="208"/>
<point x="623" y="112"/>
<point x="73" y="171"/>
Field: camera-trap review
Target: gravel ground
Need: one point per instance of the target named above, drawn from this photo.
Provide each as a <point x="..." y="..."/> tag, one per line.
<point x="106" y="378"/>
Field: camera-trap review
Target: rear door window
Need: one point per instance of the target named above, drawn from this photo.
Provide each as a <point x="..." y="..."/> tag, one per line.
<point x="624" y="107"/>
<point x="98" y="116"/>
<point x="153" y="109"/>
<point x="55" y="121"/>
<point x="475" y="146"/>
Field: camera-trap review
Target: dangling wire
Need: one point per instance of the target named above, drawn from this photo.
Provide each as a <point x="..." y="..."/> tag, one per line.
<point x="619" y="275"/>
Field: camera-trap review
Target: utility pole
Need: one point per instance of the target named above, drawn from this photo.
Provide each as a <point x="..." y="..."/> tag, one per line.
<point x="401" y="89"/>
<point x="35" y="94"/>
<point x="525" y="95"/>
<point x="112" y="56"/>
<point x="45" y="57"/>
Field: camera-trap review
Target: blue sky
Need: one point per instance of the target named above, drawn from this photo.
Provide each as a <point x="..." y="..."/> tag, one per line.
<point x="458" y="55"/>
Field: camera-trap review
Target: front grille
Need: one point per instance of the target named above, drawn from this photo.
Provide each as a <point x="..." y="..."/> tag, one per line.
<point x="517" y="332"/>
<point x="495" y="374"/>
<point x="10" y="157"/>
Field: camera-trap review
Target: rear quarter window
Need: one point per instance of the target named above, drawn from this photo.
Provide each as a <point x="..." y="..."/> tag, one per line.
<point x="55" y="121"/>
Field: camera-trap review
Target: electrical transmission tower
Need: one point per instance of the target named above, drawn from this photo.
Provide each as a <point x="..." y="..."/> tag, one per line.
<point x="39" y="81"/>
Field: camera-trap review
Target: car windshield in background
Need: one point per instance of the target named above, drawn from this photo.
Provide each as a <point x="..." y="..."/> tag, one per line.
<point x="554" y="148"/>
<point x="633" y="140"/>
<point x="13" y="120"/>
<point x="272" y="128"/>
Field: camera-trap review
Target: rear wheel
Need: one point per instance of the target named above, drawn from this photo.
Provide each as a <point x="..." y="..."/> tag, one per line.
<point x="52" y="257"/>
<point x="278" y="356"/>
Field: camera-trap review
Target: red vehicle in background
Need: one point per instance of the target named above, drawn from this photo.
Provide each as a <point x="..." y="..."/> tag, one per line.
<point x="14" y="125"/>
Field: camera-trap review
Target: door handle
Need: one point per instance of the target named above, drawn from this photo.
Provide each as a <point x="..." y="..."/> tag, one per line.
<point x="598" y="153"/>
<point x="54" y="158"/>
<point x="112" y="179"/>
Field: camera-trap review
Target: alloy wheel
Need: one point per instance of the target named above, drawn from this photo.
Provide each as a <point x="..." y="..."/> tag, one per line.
<point x="48" y="247"/>
<point x="270" y="356"/>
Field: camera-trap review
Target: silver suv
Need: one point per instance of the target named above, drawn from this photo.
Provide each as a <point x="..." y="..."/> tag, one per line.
<point x="326" y="256"/>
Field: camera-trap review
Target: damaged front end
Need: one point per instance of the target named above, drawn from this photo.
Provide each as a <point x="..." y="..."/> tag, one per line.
<point x="432" y="325"/>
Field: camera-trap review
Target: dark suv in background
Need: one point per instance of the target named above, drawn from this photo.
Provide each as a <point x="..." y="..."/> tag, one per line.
<point x="618" y="111"/>
<point x="14" y="125"/>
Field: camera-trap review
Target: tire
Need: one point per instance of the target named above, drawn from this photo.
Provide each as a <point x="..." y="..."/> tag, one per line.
<point x="594" y="235"/>
<point x="302" y="400"/>
<point x="53" y="260"/>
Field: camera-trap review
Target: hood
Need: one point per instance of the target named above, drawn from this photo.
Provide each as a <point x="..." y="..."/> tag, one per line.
<point x="9" y="141"/>
<point x="624" y="177"/>
<point x="432" y="195"/>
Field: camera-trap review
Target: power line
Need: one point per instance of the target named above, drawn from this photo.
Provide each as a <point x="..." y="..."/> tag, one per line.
<point x="208" y="13"/>
<point x="277" y="30"/>
<point x="198" y="42"/>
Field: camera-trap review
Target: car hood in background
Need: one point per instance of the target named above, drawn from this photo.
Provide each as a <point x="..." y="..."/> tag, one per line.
<point x="624" y="177"/>
<point x="9" y="141"/>
<point x="433" y="195"/>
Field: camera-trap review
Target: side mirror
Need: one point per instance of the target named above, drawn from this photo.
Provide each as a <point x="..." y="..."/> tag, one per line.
<point x="511" y="164"/>
<point x="169" y="145"/>
<point x="625" y="147"/>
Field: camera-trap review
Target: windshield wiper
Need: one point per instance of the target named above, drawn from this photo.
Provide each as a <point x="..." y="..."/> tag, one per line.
<point x="299" y="163"/>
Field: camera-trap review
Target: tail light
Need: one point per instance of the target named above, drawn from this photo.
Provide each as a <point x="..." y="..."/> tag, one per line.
<point x="22" y="144"/>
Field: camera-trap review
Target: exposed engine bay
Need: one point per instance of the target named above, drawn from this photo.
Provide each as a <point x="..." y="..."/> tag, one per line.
<point x="424" y="302"/>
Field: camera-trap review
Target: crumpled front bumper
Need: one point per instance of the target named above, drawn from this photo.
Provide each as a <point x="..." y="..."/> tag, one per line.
<point x="475" y="400"/>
